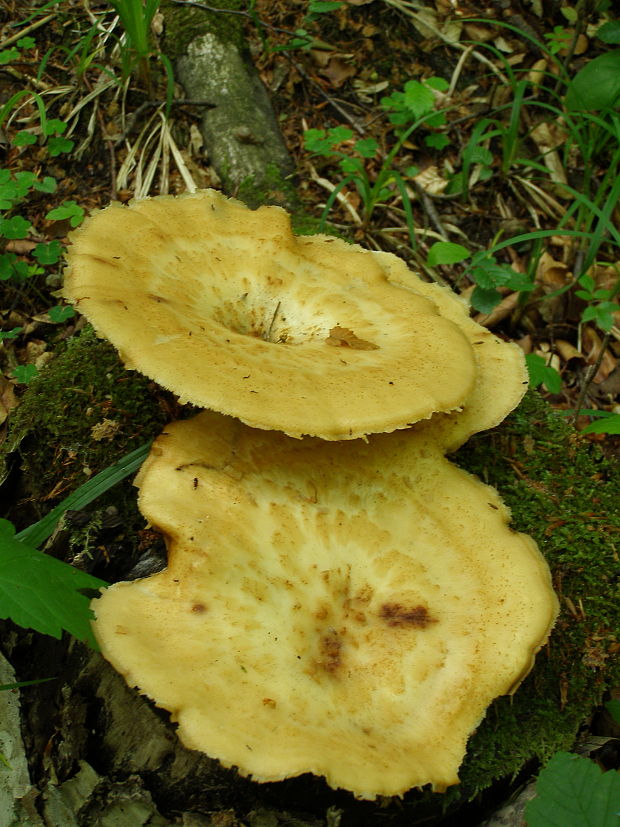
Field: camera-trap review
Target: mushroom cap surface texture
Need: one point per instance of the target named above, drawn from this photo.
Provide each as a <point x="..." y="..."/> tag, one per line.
<point x="347" y="609"/>
<point x="227" y="308"/>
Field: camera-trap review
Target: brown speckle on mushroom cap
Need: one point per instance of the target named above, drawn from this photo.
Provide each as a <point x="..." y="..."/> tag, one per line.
<point x="362" y="604"/>
<point x="226" y="307"/>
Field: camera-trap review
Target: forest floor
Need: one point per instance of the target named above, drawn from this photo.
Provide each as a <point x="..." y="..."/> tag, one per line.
<point x="481" y="143"/>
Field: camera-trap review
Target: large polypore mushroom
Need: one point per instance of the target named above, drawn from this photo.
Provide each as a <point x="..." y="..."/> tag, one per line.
<point x="348" y="609"/>
<point x="226" y="307"/>
<point x="344" y="608"/>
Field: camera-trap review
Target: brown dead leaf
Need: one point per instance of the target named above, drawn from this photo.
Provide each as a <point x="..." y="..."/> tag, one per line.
<point x="499" y="313"/>
<point x="20" y="246"/>
<point x="551" y="274"/>
<point x="343" y="337"/>
<point x="591" y="345"/>
<point x="335" y="69"/>
<point x="568" y="351"/>
<point x="8" y="400"/>
<point x="547" y="137"/>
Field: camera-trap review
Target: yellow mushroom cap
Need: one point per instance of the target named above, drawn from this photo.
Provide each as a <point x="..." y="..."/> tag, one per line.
<point x="501" y="376"/>
<point x="226" y="307"/>
<point x="347" y="609"/>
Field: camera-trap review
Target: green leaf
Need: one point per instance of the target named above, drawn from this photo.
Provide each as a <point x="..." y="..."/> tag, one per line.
<point x="48" y="184"/>
<point x="445" y="252"/>
<point x="47" y="254"/>
<point x="323" y="6"/>
<point x="67" y="210"/>
<point x="606" y="425"/>
<point x="484" y="299"/>
<point x="58" y="145"/>
<point x="60" y="313"/>
<point x="613" y="706"/>
<point x="26" y="42"/>
<point x="609" y="32"/>
<point x="366" y="147"/>
<point x="437" y="140"/>
<point x="54" y="126"/>
<point x="419" y="99"/>
<point x="25" y="373"/>
<point x="7" y="266"/>
<point x="597" y="85"/>
<point x="41" y="593"/>
<point x="601" y="314"/>
<point x="24" y="138"/>
<point x="543" y="374"/>
<point x="7" y="55"/>
<point x="572" y="790"/>
<point x="440" y="84"/>
<point x="10" y="334"/>
<point x="14" y="227"/>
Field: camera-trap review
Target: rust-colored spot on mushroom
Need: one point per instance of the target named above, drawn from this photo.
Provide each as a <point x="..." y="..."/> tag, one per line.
<point x="395" y="614"/>
<point x="343" y="337"/>
<point x="269" y="702"/>
<point x="199" y="608"/>
<point x="331" y="646"/>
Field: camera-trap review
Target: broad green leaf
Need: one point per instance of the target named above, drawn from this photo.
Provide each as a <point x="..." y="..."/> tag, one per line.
<point x="597" y="85"/>
<point x="366" y="147"/>
<point x="7" y="266"/>
<point x="41" y="593"/>
<point x="543" y="374"/>
<point x="484" y="300"/>
<point x="606" y="425"/>
<point x="609" y="32"/>
<point x="55" y="126"/>
<point x="26" y="42"/>
<point x="601" y="314"/>
<point x="572" y="790"/>
<point x="419" y="99"/>
<point x="437" y="140"/>
<point x="445" y="252"/>
<point x="323" y="6"/>
<point x="440" y="84"/>
<point x="7" y="55"/>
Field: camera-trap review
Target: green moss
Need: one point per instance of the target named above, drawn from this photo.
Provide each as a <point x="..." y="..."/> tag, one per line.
<point x="83" y="395"/>
<point x="275" y="188"/>
<point x="564" y="493"/>
<point x="186" y="23"/>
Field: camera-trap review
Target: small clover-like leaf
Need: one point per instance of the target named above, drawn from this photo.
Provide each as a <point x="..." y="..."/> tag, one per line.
<point x="24" y="374"/>
<point x="10" y="334"/>
<point x="47" y="254"/>
<point x="14" y="227"/>
<point x="60" y="313"/>
<point x="24" y="138"/>
<point x="68" y="210"/>
<point x="58" y="145"/>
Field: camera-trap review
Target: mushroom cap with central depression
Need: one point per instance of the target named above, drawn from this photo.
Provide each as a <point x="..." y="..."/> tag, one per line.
<point x="227" y="308"/>
<point x="347" y="609"/>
